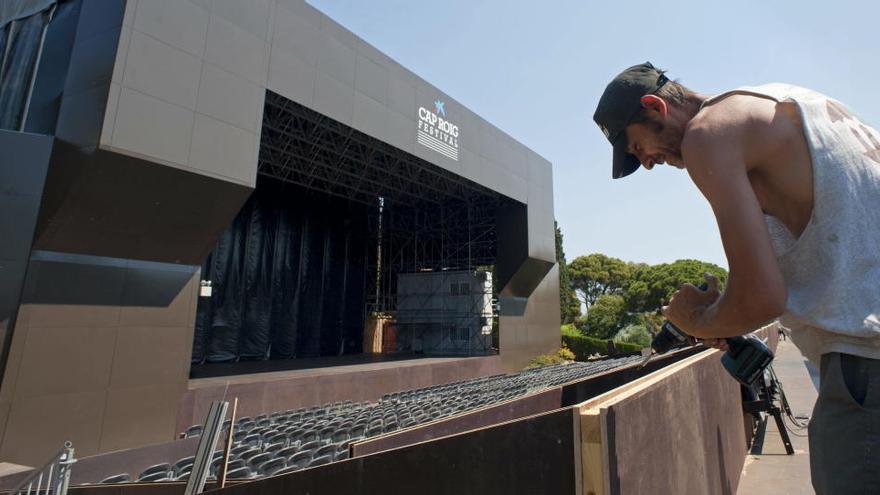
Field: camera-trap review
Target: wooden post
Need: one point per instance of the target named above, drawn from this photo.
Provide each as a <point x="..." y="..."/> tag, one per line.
<point x="221" y="474"/>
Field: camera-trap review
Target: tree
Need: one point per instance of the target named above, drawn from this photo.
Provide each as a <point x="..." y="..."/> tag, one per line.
<point x="650" y="287"/>
<point x="595" y="275"/>
<point x="606" y="316"/>
<point x="634" y="334"/>
<point x="569" y="305"/>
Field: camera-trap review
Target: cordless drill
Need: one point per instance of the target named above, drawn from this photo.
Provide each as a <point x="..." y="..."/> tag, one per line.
<point x="745" y="359"/>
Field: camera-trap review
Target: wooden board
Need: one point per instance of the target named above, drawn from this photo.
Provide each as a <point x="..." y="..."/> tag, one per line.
<point x="678" y="430"/>
<point x="534" y="455"/>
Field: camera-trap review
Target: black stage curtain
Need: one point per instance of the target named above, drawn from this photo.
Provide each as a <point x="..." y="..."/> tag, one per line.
<point x="288" y="279"/>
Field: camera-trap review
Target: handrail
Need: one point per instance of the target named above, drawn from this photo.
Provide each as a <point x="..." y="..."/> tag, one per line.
<point x="55" y="472"/>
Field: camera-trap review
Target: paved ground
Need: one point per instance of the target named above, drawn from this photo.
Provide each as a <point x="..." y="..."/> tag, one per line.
<point x="771" y="471"/>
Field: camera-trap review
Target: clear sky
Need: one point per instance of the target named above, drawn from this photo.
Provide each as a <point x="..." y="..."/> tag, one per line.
<point x="537" y="69"/>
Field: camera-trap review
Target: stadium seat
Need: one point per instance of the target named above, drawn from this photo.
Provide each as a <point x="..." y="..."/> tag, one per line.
<point x="253" y="440"/>
<point x="164" y="469"/>
<point x="358" y="431"/>
<point x="182" y="465"/>
<point x="236" y="451"/>
<point x="341" y="435"/>
<point x="271" y="466"/>
<point x="320" y="461"/>
<point x="287" y="451"/>
<point x="159" y="476"/>
<point x="258" y="459"/>
<point x="248" y="454"/>
<point x="116" y="478"/>
<point x="311" y="445"/>
<point x="325" y="450"/>
<point x="193" y="431"/>
<point x="239" y="474"/>
<point x="299" y="460"/>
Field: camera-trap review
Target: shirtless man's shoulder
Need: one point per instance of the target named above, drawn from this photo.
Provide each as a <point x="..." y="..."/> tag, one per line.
<point x="762" y="139"/>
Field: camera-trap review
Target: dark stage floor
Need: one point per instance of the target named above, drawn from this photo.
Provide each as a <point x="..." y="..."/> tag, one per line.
<point x="211" y="370"/>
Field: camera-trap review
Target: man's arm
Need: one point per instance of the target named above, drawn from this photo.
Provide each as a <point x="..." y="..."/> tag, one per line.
<point x="755" y="291"/>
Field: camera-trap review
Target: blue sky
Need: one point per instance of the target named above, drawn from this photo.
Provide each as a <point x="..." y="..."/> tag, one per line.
<point x="537" y="69"/>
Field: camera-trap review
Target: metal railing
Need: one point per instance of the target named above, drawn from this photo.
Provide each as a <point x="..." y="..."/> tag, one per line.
<point x="53" y="477"/>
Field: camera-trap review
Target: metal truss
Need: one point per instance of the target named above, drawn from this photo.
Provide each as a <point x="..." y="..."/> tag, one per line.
<point x="304" y="147"/>
<point x="429" y="219"/>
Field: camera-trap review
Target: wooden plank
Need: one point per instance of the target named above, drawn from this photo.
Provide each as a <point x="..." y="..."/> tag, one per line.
<point x="593" y="425"/>
<point x="635" y="386"/>
<point x="526" y="456"/>
<point x="592" y="462"/>
<point x="678" y="430"/>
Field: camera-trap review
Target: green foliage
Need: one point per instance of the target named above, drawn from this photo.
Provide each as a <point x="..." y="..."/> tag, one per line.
<point x="624" y="299"/>
<point x="569" y="305"/>
<point x="561" y="356"/>
<point x="565" y="353"/>
<point x="595" y="275"/>
<point x="634" y="334"/>
<point x="583" y="347"/>
<point x="605" y="316"/>
<point x="650" y="286"/>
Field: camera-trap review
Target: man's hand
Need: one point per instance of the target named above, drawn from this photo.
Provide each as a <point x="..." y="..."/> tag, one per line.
<point x="720" y="344"/>
<point x="688" y="305"/>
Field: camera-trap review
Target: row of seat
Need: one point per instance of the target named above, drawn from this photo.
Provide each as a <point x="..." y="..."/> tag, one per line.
<point x="295" y="439"/>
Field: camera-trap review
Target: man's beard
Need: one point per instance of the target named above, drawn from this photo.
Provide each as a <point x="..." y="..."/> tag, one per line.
<point x="670" y="138"/>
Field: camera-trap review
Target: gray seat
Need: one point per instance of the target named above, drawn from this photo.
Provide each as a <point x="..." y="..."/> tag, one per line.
<point x="247" y="454"/>
<point x="327" y="432"/>
<point x="320" y="461"/>
<point x="182" y="464"/>
<point x="193" y="431"/>
<point x="326" y="450"/>
<point x="287" y="451"/>
<point x="341" y="435"/>
<point x="271" y="466"/>
<point x="252" y="439"/>
<point x="163" y="468"/>
<point x="310" y="445"/>
<point x="358" y="431"/>
<point x="299" y="460"/>
<point x="239" y="474"/>
<point x="159" y="476"/>
<point x="288" y="469"/>
<point x="308" y="436"/>
<point x="236" y="451"/>
<point x="233" y="464"/>
<point x="116" y="478"/>
<point x="277" y="438"/>
<point x="258" y="459"/>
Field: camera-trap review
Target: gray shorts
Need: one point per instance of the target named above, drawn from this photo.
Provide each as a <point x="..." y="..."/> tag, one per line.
<point x="845" y="427"/>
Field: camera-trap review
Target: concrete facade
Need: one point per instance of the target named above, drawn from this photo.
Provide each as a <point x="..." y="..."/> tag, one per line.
<point x="156" y="147"/>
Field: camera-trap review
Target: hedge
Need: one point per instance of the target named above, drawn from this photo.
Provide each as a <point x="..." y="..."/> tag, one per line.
<point x="584" y="346"/>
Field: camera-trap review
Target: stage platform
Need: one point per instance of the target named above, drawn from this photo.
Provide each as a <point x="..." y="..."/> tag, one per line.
<point x="224" y="370"/>
<point x="308" y="382"/>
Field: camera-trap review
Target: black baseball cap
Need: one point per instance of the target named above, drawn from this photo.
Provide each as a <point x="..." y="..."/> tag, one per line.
<point x="619" y="104"/>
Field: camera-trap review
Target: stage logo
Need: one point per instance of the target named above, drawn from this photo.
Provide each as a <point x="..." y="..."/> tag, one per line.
<point x="437" y="133"/>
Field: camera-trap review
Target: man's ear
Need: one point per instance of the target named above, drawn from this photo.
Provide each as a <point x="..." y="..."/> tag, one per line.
<point x="656" y="104"/>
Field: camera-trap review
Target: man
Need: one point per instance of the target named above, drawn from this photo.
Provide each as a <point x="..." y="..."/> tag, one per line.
<point x="794" y="181"/>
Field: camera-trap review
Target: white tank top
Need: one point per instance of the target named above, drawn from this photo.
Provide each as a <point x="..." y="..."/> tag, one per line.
<point x="832" y="271"/>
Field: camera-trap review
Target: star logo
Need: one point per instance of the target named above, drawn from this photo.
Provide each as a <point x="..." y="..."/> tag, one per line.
<point x="439" y="107"/>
